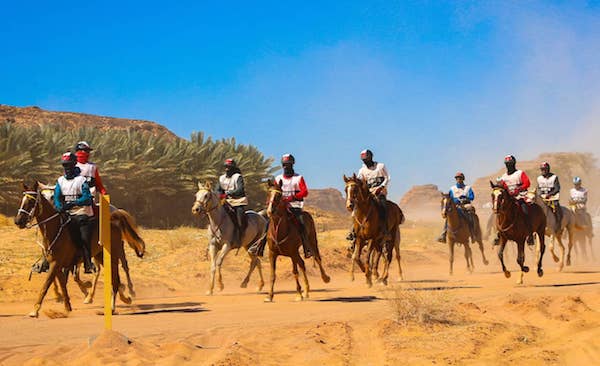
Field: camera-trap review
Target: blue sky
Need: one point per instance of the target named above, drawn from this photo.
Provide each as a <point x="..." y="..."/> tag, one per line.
<point x="431" y="87"/>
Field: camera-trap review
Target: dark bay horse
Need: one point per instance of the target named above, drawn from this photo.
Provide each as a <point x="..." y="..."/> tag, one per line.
<point x="459" y="232"/>
<point x="284" y="238"/>
<point x="367" y="228"/>
<point x="511" y="225"/>
<point x="62" y="253"/>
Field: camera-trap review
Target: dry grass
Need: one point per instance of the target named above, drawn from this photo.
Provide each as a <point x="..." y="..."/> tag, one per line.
<point x="414" y="305"/>
<point x="5" y="221"/>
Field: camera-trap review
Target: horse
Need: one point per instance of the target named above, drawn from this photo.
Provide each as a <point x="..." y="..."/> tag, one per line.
<point x="118" y="251"/>
<point x="284" y="238"/>
<point x="555" y="231"/>
<point x="60" y="250"/>
<point x="459" y="232"/>
<point x="511" y="225"/>
<point x="584" y="231"/>
<point x="366" y="226"/>
<point x="222" y="235"/>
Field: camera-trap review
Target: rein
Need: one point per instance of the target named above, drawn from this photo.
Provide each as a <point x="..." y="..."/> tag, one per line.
<point x="362" y="223"/>
<point x="31" y="215"/>
<point x="214" y="231"/>
<point x="499" y="224"/>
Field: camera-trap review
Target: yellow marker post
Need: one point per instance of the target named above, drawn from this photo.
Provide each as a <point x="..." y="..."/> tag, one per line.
<point x="106" y="245"/>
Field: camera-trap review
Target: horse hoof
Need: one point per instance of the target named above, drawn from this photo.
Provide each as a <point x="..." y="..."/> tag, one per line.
<point x="86" y="284"/>
<point x="555" y="258"/>
<point x="125" y="299"/>
<point x="268" y="299"/>
<point x="209" y="293"/>
<point x="525" y="269"/>
<point x="244" y="284"/>
<point x="60" y="299"/>
<point x="299" y="298"/>
<point x="306" y="295"/>
<point x="507" y="274"/>
<point x="486" y="262"/>
<point x="540" y="272"/>
<point x="260" y="287"/>
<point x="326" y="278"/>
<point x="519" y="282"/>
<point x="33" y="314"/>
<point x="221" y="287"/>
<point x="385" y="282"/>
<point x="568" y="261"/>
<point x="88" y="301"/>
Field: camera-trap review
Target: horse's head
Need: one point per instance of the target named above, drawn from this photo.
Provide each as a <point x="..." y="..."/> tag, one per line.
<point x="30" y="205"/>
<point x="206" y="199"/>
<point x="354" y="188"/>
<point x="274" y="197"/>
<point x="446" y="204"/>
<point x="500" y="197"/>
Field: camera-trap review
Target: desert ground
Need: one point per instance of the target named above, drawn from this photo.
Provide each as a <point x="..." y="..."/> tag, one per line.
<point x="428" y="318"/>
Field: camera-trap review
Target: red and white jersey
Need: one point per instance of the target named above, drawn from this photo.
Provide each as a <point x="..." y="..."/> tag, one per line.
<point x="516" y="183"/>
<point x="293" y="189"/>
<point x="89" y="170"/>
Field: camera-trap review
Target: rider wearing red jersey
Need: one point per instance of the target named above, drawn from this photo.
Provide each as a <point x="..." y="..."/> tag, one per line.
<point x="516" y="182"/>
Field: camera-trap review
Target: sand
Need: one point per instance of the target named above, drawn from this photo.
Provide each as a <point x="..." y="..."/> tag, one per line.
<point x="479" y="318"/>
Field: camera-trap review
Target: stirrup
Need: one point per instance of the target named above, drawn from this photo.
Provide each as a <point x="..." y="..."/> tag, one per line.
<point x="40" y="266"/>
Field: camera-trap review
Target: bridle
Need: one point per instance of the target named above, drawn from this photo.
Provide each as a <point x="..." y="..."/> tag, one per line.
<point x="499" y="212"/>
<point x="207" y="201"/>
<point x="31" y="214"/>
<point x="354" y="202"/>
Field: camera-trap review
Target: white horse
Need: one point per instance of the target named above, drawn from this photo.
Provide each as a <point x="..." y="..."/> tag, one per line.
<point x="222" y="235"/>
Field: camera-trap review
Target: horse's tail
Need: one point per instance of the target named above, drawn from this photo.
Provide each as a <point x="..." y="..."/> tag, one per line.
<point x="129" y="230"/>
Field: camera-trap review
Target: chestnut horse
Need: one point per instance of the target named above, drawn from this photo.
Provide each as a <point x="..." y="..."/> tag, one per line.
<point x="458" y="232"/>
<point x="284" y="238"/>
<point x="367" y="228"/>
<point x="511" y="225"/>
<point x="62" y="253"/>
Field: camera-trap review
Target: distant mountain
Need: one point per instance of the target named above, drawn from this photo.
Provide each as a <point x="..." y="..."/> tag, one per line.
<point x="328" y="199"/>
<point x="35" y="116"/>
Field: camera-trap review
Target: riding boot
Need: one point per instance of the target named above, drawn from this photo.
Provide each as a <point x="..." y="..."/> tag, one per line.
<point x="86" y="227"/>
<point x="442" y="237"/>
<point x="383" y="216"/>
<point x="303" y="235"/>
<point x="239" y="212"/>
<point x="87" y="260"/>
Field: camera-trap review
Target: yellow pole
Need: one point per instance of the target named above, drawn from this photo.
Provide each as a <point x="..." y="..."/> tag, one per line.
<point x="106" y="245"/>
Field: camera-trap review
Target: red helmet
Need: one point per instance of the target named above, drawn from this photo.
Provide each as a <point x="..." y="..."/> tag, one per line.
<point x="288" y="159"/>
<point x="509" y="159"/>
<point x="68" y="159"/>
<point x="459" y="174"/>
<point x="230" y="162"/>
<point x="366" y="154"/>
<point x="545" y="166"/>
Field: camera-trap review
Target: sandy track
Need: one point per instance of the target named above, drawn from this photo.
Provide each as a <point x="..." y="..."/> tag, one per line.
<point x="549" y="320"/>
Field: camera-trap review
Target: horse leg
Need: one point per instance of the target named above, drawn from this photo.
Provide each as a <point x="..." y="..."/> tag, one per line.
<point x="49" y="279"/>
<point x="273" y="263"/>
<point x="469" y="258"/>
<point x="540" y="250"/>
<point x="554" y="256"/>
<point x="451" y="256"/>
<point x="57" y="294"/>
<point x="244" y="283"/>
<point x="501" y="247"/>
<point x="125" y="266"/>
<point x="375" y="265"/>
<point x="222" y="253"/>
<point x="294" y="260"/>
<point x="356" y="257"/>
<point x="89" y="298"/>
<point x="387" y="257"/>
<point x="319" y="262"/>
<point x="485" y="261"/>
<point x="397" y="248"/>
<point x="570" y="244"/>
<point x="558" y="237"/>
<point x="302" y="266"/>
<point x="212" y="252"/>
<point x="62" y="279"/>
<point x="521" y="261"/>
<point x="261" y="284"/>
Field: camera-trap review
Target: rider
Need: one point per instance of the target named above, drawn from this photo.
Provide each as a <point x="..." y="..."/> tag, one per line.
<point x="462" y="195"/>
<point x="377" y="179"/>
<point x="72" y="196"/>
<point x="549" y="191"/>
<point x="294" y="190"/>
<point x="231" y="188"/>
<point x="88" y="169"/>
<point x="516" y="182"/>
<point x="578" y="198"/>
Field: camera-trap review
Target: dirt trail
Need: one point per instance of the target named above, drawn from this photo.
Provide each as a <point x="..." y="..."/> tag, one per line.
<point x="549" y="320"/>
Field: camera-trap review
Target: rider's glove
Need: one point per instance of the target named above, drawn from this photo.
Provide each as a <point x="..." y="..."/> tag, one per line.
<point x="222" y="196"/>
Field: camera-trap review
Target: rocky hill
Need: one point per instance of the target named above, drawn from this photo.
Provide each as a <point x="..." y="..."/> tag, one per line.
<point x="35" y="116"/>
<point x="328" y="199"/>
<point x="421" y="202"/>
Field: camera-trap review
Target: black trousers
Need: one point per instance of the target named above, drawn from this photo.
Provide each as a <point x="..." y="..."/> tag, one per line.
<point x="81" y="228"/>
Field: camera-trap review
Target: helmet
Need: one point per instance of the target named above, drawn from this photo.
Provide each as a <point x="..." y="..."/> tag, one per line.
<point x="545" y="165"/>
<point x="459" y="174"/>
<point x="576" y="180"/>
<point x="230" y="162"/>
<point x="288" y="159"/>
<point x="366" y="154"/>
<point x="68" y="159"/>
<point x="510" y="159"/>
<point x="82" y="145"/>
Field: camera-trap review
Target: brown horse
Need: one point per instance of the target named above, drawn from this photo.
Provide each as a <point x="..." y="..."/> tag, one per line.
<point x="458" y="232"/>
<point x="284" y="238"/>
<point x="511" y="225"/>
<point x="367" y="228"/>
<point x="62" y="253"/>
